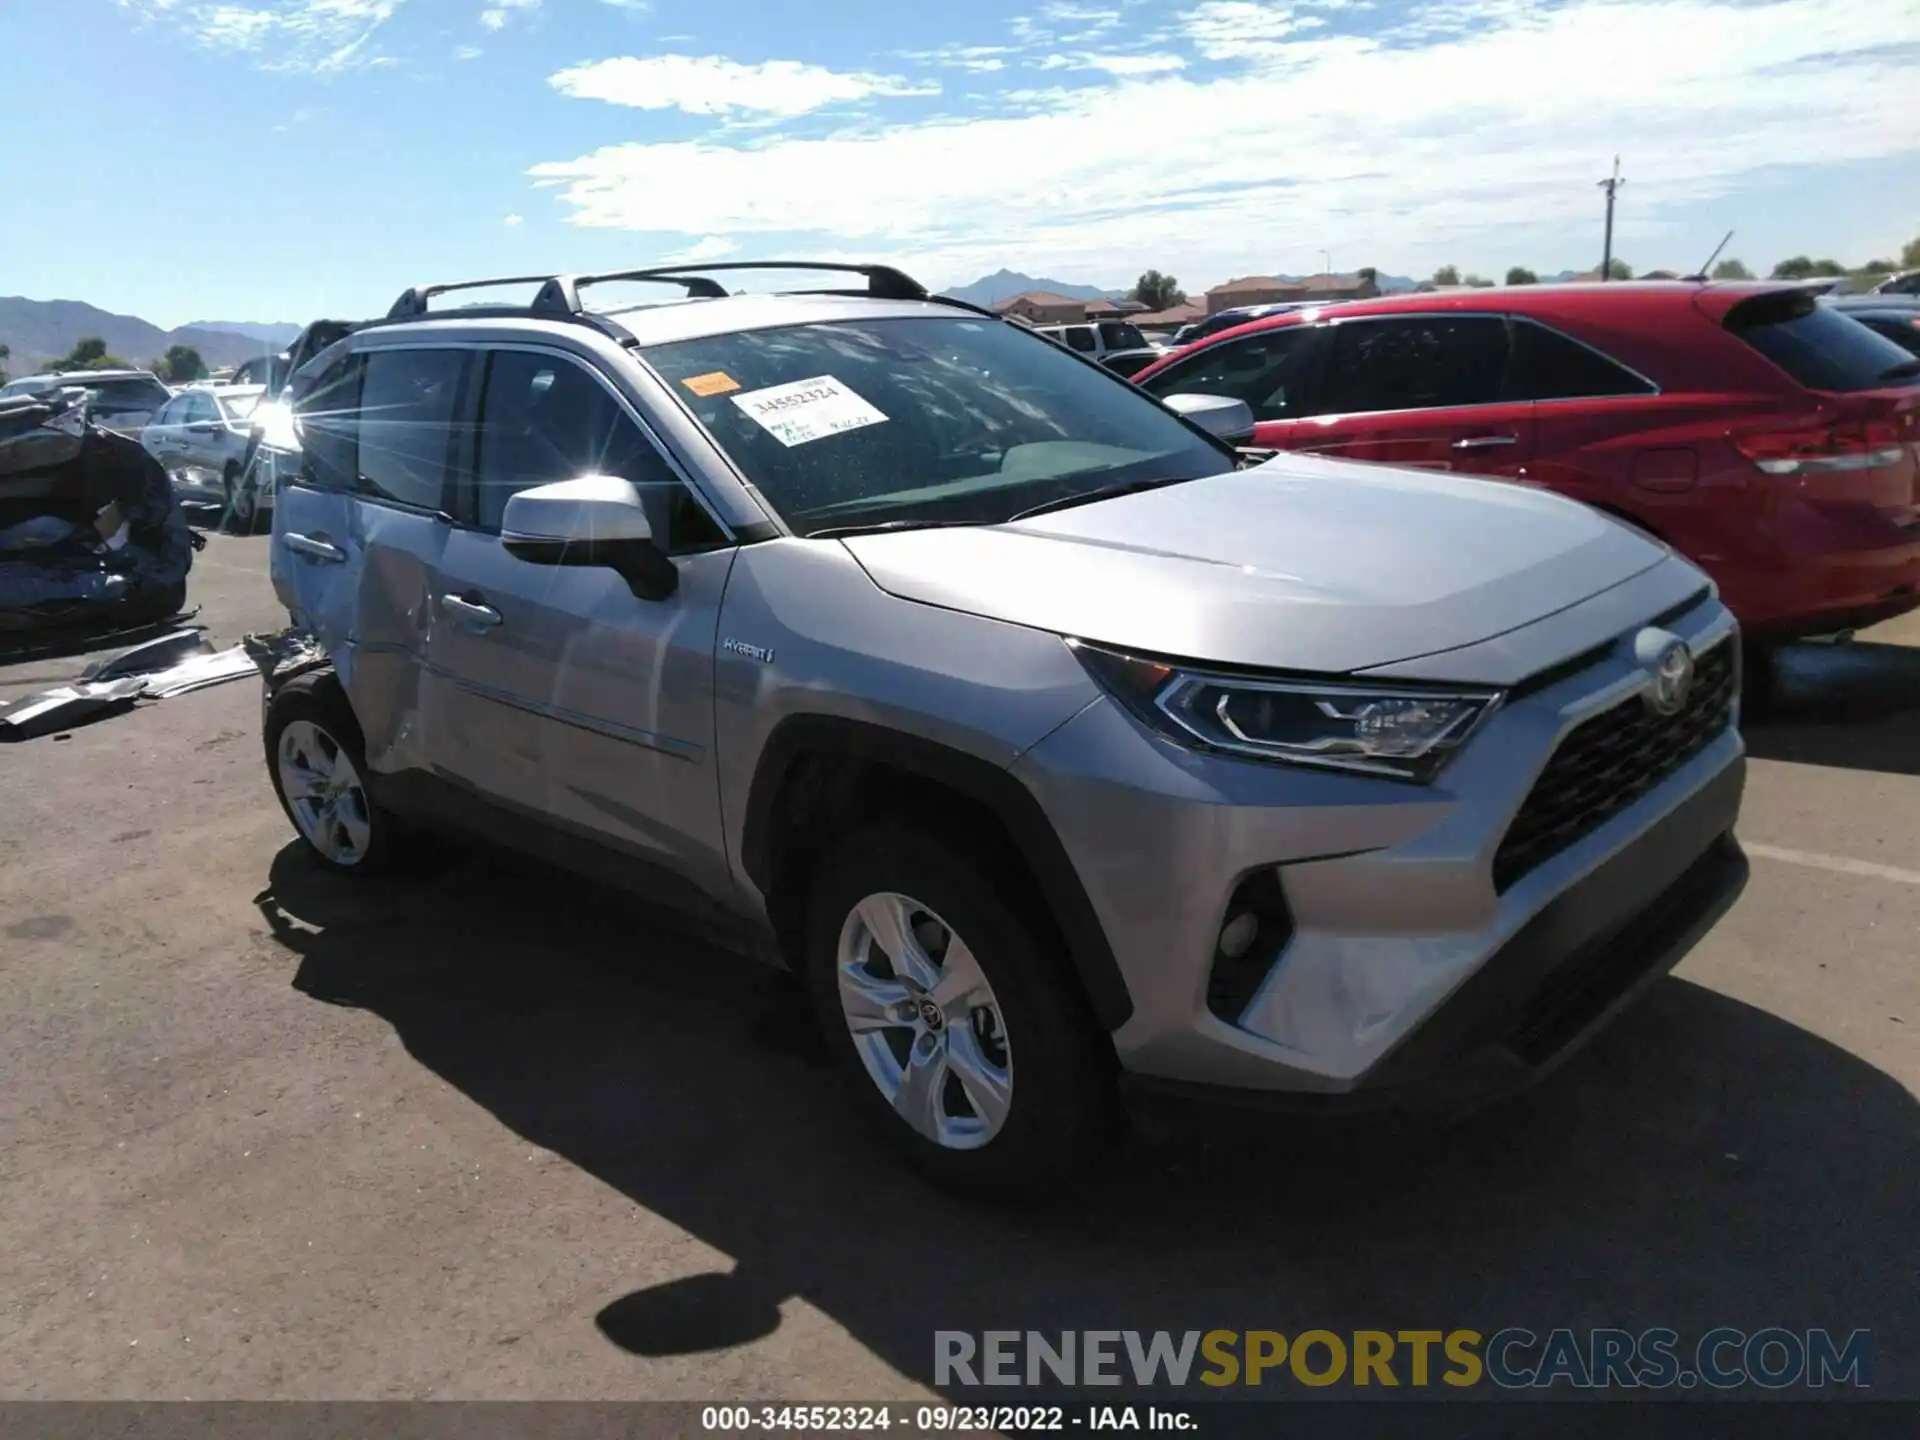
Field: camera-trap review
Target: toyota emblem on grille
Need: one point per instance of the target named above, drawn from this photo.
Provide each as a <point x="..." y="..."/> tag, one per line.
<point x="1669" y="665"/>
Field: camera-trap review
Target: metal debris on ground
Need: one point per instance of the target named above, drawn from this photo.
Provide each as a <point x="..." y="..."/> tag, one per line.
<point x="159" y="669"/>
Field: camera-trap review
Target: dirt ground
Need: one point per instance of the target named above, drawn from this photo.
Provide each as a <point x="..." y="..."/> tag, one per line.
<point x="494" y="1133"/>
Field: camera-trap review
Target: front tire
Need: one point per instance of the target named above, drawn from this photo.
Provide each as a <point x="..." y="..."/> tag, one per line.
<point x="955" y="1028"/>
<point x="317" y="761"/>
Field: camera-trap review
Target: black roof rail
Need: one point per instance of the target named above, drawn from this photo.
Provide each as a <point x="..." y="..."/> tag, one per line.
<point x="884" y="282"/>
<point x="559" y="295"/>
<point x="413" y="303"/>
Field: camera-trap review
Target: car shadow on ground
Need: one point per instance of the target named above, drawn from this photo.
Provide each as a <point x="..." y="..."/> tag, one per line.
<point x="1703" y="1164"/>
<point x="1854" y="706"/>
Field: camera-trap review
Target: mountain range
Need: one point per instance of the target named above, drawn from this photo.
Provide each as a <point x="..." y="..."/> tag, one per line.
<point x="37" y="331"/>
<point x="1005" y="284"/>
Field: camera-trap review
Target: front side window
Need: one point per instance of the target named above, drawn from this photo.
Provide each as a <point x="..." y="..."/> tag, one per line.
<point x="1415" y="363"/>
<point x="544" y="419"/>
<point x="922" y="419"/>
<point x="1269" y="370"/>
<point x="405" y="423"/>
<point x="1118" y="335"/>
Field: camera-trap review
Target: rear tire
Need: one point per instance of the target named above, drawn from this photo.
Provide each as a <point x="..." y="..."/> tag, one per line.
<point x="317" y="761"/>
<point x="977" y="1058"/>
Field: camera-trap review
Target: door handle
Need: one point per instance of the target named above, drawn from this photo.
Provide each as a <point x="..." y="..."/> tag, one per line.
<point x="315" y="549"/>
<point x="470" y="611"/>
<point x="1484" y="442"/>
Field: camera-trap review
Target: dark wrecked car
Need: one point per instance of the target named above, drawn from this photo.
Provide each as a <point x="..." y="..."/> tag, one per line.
<point x="89" y="529"/>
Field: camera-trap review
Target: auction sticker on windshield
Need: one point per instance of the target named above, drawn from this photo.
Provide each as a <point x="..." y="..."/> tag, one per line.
<point x="807" y="410"/>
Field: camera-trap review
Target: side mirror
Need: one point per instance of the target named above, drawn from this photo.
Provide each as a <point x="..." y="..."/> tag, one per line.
<point x="1224" y="418"/>
<point x="595" y="520"/>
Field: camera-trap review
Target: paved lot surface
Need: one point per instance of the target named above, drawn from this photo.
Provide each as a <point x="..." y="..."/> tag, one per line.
<point x="266" y="1134"/>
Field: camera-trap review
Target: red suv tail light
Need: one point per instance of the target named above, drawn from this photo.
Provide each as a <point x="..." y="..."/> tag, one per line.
<point x="1822" y="449"/>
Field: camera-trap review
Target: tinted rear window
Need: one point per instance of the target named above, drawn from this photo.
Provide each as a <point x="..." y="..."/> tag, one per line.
<point x="1819" y="347"/>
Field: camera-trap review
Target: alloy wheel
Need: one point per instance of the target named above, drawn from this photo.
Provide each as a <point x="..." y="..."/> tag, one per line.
<point x="924" y="1020"/>
<point x="325" y="793"/>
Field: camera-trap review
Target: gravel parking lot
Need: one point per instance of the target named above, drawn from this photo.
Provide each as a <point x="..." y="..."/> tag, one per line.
<point x="265" y="1133"/>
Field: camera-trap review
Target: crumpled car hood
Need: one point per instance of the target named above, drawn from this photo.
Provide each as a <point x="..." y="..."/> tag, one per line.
<point x="1298" y="564"/>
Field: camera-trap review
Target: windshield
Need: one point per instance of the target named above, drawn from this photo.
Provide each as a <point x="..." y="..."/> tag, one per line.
<point x="1120" y="336"/>
<point x="922" y="420"/>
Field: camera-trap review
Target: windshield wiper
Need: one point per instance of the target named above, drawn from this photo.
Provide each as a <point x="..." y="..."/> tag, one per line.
<point x="882" y="527"/>
<point x="1088" y="497"/>
<point x="1905" y="370"/>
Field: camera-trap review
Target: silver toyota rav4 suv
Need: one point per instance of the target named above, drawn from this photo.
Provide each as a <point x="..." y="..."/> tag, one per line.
<point x="1053" y="739"/>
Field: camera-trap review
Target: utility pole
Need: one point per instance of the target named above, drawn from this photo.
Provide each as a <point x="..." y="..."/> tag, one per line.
<point x="1611" y="185"/>
<point x="1327" y="256"/>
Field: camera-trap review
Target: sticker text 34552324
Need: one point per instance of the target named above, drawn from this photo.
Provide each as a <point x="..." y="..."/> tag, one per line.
<point x="806" y="410"/>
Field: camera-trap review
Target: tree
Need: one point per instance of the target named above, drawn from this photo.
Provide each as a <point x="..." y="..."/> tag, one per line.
<point x="1828" y="268"/>
<point x="6" y="353"/>
<point x="90" y="353"/>
<point x="1478" y="282"/>
<point x="1368" y="275"/>
<point x="1520" y="275"/>
<point x="1732" y="270"/>
<point x="1798" y="267"/>
<point x="181" y="365"/>
<point x="1447" y="275"/>
<point x="1157" y="291"/>
<point x="1910" y="255"/>
<point x="1619" y="270"/>
<point x="1878" y="267"/>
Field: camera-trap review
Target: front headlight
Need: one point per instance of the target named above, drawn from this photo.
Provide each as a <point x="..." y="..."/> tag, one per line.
<point x="1403" y="733"/>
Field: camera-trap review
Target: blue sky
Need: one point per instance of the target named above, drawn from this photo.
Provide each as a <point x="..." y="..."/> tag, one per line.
<point x="280" y="159"/>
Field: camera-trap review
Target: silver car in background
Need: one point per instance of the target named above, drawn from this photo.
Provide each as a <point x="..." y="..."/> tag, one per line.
<point x="124" y="401"/>
<point x="201" y="436"/>
<point x="1052" y="740"/>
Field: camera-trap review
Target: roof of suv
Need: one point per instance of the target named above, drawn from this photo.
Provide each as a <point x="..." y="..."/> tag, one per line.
<point x="662" y="323"/>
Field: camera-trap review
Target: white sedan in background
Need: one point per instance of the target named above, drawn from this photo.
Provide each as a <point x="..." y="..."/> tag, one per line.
<point x="201" y="438"/>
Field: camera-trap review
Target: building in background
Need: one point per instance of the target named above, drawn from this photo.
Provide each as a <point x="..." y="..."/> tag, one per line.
<point x="1278" y="289"/>
<point x="1038" y="307"/>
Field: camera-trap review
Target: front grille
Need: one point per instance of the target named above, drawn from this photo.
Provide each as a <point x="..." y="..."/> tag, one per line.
<point x="1610" y="761"/>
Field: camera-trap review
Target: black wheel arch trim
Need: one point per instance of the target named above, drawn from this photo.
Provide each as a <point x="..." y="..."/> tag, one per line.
<point x="799" y="737"/>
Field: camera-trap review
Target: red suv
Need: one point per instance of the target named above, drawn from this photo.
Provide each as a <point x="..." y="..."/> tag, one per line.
<point x="1767" y="437"/>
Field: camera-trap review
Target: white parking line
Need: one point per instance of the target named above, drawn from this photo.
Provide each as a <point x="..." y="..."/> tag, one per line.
<point x="1837" y="863"/>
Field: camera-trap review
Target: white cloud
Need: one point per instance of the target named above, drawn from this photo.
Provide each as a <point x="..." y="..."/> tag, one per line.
<point x="467" y="52"/>
<point x="1241" y="29"/>
<point x="514" y="222"/>
<point x="708" y="247"/>
<point x="1115" y="64"/>
<point x="710" y="85"/>
<point x="1357" y="142"/>
<point x="629" y="4"/>
<point x="975" y="59"/>
<point x="499" y="13"/>
<point x="319" y="36"/>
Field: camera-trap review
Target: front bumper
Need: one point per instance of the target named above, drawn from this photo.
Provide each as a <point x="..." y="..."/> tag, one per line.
<point x="1406" y="970"/>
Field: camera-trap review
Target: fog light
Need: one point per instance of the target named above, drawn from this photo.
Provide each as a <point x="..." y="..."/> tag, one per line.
<point x="1238" y="934"/>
